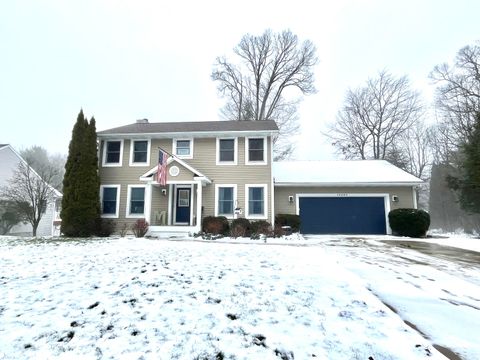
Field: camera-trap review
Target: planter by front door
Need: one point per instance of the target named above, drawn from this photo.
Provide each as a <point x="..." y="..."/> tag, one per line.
<point x="182" y="206"/>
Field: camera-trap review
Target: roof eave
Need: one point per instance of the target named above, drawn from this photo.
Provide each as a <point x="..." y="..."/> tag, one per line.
<point x="347" y="184"/>
<point x="157" y="135"/>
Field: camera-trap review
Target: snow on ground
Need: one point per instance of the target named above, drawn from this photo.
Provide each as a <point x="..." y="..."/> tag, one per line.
<point x="440" y="297"/>
<point x="156" y="299"/>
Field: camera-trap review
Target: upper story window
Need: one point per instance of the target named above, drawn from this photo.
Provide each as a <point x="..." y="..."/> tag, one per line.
<point x="255" y="151"/>
<point x="140" y="153"/>
<point x="227" y="151"/>
<point x="183" y="148"/>
<point x="112" y="153"/>
<point x="109" y="200"/>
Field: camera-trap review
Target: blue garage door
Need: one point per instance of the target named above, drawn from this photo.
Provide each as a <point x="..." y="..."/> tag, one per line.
<point x="342" y="215"/>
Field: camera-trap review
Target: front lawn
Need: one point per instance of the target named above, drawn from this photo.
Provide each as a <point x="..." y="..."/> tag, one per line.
<point x="152" y="299"/>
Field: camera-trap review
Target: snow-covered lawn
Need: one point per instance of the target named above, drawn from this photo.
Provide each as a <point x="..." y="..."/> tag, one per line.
<point x="153" y="299"/>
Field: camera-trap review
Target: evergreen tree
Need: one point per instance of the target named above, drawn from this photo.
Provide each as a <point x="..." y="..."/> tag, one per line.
<point x="80" y="203"/>
<point x="468" y="184"/>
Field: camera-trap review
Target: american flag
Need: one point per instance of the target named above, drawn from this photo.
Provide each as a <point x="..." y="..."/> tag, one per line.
<point x="162" y="168"/>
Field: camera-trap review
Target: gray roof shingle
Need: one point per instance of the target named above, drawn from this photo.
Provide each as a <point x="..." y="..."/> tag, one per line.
<point x="193" y="126"/>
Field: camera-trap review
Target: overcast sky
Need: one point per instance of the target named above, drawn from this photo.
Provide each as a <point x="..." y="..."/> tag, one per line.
<point x="125" y="60"/>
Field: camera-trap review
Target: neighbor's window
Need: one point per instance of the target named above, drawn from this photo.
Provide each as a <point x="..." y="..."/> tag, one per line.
<point x="109" y="200"/>
<point x="113" y="152"/>
<point x="256" y="149"/>
<point x="183" y="148"/>
<point x="225" y="200"/>
<point x="256" y="200"/>
<point x="137" y="201"/>
<point x="140" y="151"/>
<point x="226" y="150"/>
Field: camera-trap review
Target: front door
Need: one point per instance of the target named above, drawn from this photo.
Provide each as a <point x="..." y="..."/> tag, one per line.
<point x="182" y="206"/>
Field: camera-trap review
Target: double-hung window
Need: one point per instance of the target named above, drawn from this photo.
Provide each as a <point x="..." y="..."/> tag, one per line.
<point x="227" y="151"/>
<point x="109" y="198"/>
<point x="112" y="153"/>
<point x="140" y="153"/>
<point x="136" y="201"/>
<point x="183" y="148"/>
<point x="255" y="151"/>
<point x="256" y="201"/>
<point x="225" y="200"/>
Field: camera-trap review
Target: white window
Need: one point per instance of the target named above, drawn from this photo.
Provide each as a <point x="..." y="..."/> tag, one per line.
<point x="136" y="203"/>
<point x="112" y="153"/>
<point x="256" y="201"/>
<point x="109" y="200"/>
<point x="227" y="151"/>
<point x="140" y="153"/>
<point x="225" y="200"/>
<point x="256" y="150"/>
<point x="183" y="148"/>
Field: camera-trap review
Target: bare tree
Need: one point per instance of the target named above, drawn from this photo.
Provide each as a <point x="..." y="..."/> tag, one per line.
<point x="29" y="192"/>
<point x="374" y="117"/>
<point x="39" y="158"/>
<point x="262" y="85"/>
<point x="458" y="95"/>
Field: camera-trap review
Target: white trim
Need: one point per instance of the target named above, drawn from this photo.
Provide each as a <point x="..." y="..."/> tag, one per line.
<point x="386" y="201"/>
<point x="195" y="134"/>
<point x="147" y="163"/>
<point x="235" y="151"/>
<point x="272" y="188"/>
<point x="217" y="186"/>
<point x="153" y="170"/>
<point x="170" y="207"/>
<point x="199" y="205"/>
<point x="414" y="193"/>
<point x="182" y="186"/>
<point x="104" y="155"/>
<point x="265" y="202"/>
<point x="347" y="184"/>
<point x="174" y="147"/>
<point x="110" y="216"/>
<point x="145" y="199"/>
<point x="247" y="145"/>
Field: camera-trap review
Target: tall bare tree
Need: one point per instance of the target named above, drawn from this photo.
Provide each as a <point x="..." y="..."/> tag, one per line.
<point x="458" y="96"/>
<point x="374" y="117"/>
<point x="29" y="192"/>
<point x="272" y="68"/>
<point x="39" y="158"/>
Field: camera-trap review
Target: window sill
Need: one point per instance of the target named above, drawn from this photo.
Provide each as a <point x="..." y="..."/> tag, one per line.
<point x="112" y="165"/>
<point x="109" y="216"/>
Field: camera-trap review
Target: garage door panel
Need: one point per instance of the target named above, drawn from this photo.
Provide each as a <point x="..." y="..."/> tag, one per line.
<point x="342" y="215"/>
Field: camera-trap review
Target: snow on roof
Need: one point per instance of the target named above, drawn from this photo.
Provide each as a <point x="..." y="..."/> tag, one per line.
<point x="344" y="172"/>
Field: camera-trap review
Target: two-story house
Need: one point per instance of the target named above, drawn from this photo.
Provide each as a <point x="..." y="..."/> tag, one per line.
<point x="225" y="168"/>
<point x="216" y="168"/>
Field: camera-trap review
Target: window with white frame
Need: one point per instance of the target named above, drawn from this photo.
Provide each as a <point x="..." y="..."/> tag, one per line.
<point x="109" y="200"/>
<point x="140" y="152"/>
<point x="255" y="150"/>
<point x="136" y="201"/>
<point x="256" y="200"/>
<point x="227" y="151"/>
<point x="225" y="200"/>
<point x="183" y="148"/>
<point x="112" y="153"/>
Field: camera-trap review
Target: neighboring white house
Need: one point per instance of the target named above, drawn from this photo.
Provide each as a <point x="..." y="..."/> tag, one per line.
<point x="50" y="222"/>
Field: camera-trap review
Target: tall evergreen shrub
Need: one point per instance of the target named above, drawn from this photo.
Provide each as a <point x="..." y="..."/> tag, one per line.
<point x="80" y="204"/>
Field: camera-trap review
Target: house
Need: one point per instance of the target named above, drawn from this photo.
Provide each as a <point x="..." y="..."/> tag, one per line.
<point x="226" y="168"/>
<point x="50" y="223"/>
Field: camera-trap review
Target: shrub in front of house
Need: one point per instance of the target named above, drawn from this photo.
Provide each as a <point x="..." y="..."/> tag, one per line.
<point x="261" y="227"/>
<point x="240" y="228"/>
<point x="288" y="220"/>
<point x="409" y="222"/>
<point x="105" y="227"/>
<point x="140" y="228"/>
<point x="216" y="225"/>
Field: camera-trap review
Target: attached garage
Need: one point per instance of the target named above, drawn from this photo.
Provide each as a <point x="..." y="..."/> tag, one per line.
<point x="327" y="214"/>
<point x="342" y="197"/>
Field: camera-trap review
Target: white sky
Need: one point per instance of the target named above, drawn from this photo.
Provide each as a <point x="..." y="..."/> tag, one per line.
<point x="125" y="60"/>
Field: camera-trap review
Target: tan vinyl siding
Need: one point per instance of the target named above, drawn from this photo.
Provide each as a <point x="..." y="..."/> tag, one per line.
<point x="283" y="206"/>
<point x="204" y="161"/>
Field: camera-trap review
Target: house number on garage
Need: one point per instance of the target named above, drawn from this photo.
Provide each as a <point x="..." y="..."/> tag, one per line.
<point x="342" y="195"/>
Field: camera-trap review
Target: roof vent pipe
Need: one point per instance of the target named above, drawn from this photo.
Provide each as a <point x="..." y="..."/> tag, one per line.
<point x="142" y="121"/>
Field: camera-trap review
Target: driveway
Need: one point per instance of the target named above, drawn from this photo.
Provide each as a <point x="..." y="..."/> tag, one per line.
<point x="435" y="289"/>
